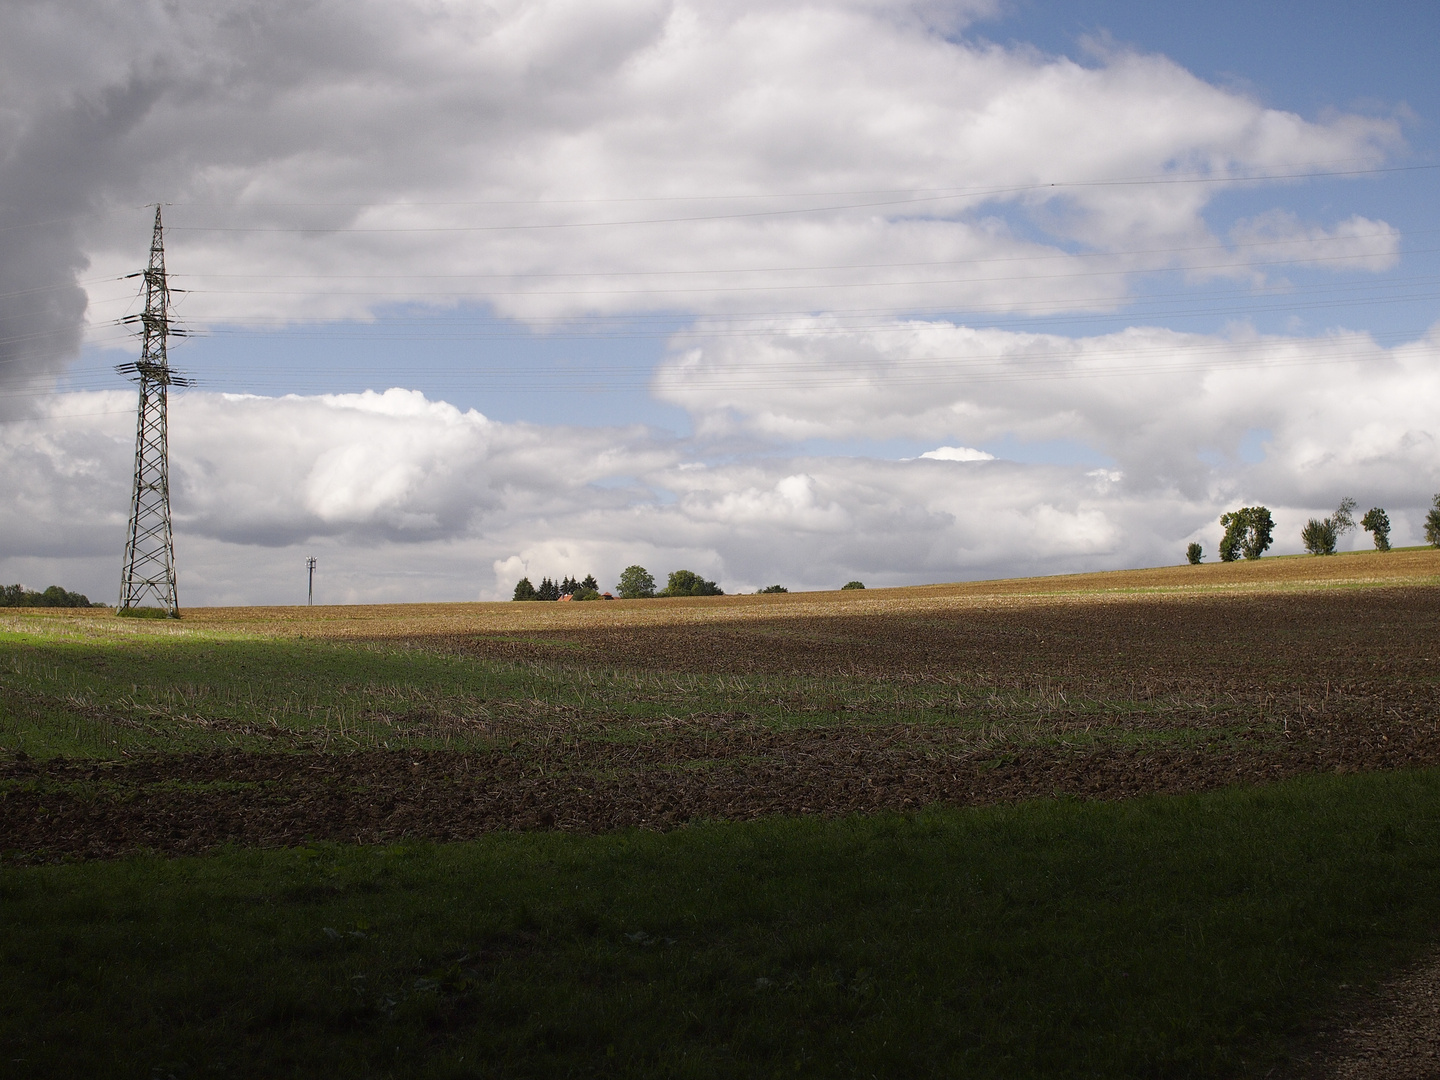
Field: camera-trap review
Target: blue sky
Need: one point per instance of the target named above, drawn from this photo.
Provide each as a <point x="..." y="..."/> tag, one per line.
<point x="1310" y="58"/>
<point x="1151" y="259"/>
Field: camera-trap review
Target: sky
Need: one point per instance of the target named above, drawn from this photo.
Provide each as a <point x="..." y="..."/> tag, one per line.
<point x="781" y="293"/>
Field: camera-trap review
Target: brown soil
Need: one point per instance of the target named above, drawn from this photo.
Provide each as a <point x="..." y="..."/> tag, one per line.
<point x="1095" y="696"/>
<point x="1201" y="646"/>
<point x="1390" y="1034"/>
<point x="188" y="803"/>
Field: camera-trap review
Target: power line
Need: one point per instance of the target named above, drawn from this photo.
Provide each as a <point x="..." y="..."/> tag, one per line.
<point x="726" y="324"/>
<point x="805" y="373"/>
<point x="732" y="326"/>
<point x="799" y="286"/>
<point x="795" y="286"/>
<point x="950" y="195"/>
<point x="1299" y="171"/>
<point x="723" y="323"/>
<point x="1302" y="170"/>
<point x="813" y="268"/>
<point x="887" y="376"/>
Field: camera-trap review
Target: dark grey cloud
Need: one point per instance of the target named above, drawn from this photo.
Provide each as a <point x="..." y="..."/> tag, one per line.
<point x="50" y="179"/>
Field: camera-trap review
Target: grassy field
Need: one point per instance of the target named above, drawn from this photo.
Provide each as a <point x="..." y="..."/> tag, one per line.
<point x="1085" y="825"/>
<point x="1192" y="936"/>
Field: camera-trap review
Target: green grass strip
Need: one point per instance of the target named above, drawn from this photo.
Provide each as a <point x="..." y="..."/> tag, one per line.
<point x="1176" y="937"/>
<point x="103" y="700"/>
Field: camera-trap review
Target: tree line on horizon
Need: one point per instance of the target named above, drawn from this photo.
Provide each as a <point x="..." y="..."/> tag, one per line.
<point x="1249" y="531"/>
<point x="636" y="583"/>
<point x="585" y="589"/>
<point x="54" y="596"/>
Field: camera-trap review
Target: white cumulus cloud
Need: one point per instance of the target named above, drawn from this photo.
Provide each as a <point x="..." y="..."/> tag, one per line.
<point x="551" y="158"/>
<point x="1337" y="408"/>
<point x="799" y="186"/>
<point x="403" y="498"/>
<point x="957" y="453"/>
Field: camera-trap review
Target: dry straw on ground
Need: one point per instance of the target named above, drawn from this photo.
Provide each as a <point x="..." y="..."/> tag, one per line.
<point x="1359" y="569"/>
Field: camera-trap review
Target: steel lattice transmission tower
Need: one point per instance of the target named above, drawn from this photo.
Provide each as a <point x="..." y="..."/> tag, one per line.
<point x="149" y="546"/>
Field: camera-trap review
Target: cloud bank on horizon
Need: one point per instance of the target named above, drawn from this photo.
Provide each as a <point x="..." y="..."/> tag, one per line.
<point x="827" y="196"/>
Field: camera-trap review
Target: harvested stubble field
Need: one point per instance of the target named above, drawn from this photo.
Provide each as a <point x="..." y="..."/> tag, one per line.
<point x="448" y="721"/>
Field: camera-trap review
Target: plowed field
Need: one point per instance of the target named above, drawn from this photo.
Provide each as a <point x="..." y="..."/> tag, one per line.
<point x="448" y="721"/>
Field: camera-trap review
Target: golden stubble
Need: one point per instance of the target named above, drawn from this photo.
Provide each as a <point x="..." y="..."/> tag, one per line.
<point x="389" y="621"/>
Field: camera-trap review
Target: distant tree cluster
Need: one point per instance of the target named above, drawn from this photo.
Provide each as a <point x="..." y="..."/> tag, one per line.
<point x="689" y="583"/>
<point x="1377" y="522"/>
<point x="1248" y="532"/>
<point x="54" y="596"/>
<point x="1320" y="536"/>
<point x="585" y="589"/>
<point x="636" y="583"/>
<point x="783" y="589"/>
<point x="1194" y="553"/>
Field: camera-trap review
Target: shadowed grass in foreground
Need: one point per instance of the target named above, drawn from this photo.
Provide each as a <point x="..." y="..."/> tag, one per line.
<point x="1180" y="937"/>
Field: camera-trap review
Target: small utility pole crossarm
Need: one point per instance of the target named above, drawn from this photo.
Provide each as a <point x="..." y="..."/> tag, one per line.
<point x="149" y="544"/>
